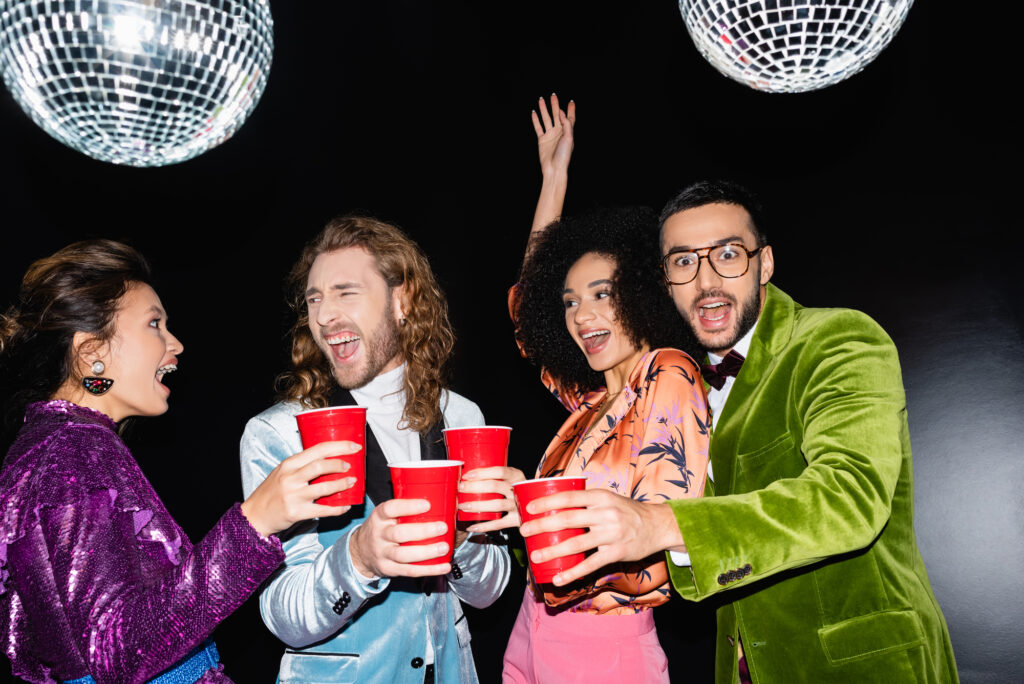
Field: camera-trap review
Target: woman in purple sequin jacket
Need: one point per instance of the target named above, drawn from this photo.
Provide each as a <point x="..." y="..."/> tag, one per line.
<point x="97" y="581"/>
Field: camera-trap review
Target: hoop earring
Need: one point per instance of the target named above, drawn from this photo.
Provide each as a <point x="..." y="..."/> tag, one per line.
<point x="97" y="385"/>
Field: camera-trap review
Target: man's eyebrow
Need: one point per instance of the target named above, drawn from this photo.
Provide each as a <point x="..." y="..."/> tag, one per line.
<point x="716" y="243"/>
<point x="338" y="286"/>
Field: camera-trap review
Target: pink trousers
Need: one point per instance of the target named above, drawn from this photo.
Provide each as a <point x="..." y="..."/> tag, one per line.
<point x="559" y="647"/>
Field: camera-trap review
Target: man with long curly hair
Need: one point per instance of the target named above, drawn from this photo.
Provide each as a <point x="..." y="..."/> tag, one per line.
<point x="371" y="329"/>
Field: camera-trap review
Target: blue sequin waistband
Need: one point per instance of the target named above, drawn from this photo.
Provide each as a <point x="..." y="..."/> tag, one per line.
<point x="190" y="669"/>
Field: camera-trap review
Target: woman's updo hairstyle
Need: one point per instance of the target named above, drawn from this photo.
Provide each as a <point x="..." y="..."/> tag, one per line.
<point x="78" y="289"/>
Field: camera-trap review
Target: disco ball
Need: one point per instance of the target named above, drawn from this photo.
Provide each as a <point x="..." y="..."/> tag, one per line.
<point x="137" y="82"/>
<point x="791" y="46"/>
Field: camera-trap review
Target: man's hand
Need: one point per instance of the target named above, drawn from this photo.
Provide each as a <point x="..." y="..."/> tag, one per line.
<point x="375" y="544"/>
<point x="620" y="529"/>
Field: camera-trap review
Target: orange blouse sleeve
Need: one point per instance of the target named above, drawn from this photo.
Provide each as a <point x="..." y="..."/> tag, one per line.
<point x="673" y="423"/>
<point x="570" y="397"/>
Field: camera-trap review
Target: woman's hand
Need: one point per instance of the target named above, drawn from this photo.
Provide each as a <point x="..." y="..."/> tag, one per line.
<point x="554" y="135"/>
<point x="554" y="131"/>
<point x="495" y="480"/>
<point x="287" y="495"/>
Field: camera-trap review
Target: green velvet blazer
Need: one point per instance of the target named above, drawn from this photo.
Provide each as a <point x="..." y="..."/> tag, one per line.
<point x="808" y="542"/>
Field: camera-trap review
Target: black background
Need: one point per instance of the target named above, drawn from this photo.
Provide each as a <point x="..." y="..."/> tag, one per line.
<point x="889" y="192"/>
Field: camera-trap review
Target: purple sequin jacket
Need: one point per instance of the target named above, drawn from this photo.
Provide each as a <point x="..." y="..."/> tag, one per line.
<point x="96" y="578"/>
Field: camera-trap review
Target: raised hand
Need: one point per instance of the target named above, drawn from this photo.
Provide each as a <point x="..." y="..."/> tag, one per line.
<point x="555" y="141"/>
<point x="376" y="548"/>
<point x="287" y="497"/>
<point x="554" y="135"/>
<point x="496" y="480"/>
<point x="620" y="529"/>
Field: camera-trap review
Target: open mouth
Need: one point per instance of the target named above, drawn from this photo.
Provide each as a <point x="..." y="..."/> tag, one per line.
<point x="343" y="345"/>
<point x="164" y="370"/>
<point x="594" y="340"/>
<point x="714" y="315"/>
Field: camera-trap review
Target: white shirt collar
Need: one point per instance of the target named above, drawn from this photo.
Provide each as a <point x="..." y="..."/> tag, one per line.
<point x="385" y="390"/>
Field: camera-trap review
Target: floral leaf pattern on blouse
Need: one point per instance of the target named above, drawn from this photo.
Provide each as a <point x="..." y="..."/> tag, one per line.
<point x="652" y="445"/>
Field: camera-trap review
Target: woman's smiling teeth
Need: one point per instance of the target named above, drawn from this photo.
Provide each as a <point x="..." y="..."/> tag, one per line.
<point x="592" y="339"/>
<point x="164" y="370"/>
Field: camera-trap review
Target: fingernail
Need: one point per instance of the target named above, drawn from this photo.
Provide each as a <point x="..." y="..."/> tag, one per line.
<point x="440" y="528"/>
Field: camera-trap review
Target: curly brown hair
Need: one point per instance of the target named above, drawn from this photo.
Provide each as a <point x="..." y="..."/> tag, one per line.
<point x="629" y="237"/>
<point x="426" y="340"/>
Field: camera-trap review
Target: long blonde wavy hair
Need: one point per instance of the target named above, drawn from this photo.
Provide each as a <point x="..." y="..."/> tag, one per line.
<point x="425" y="340"/>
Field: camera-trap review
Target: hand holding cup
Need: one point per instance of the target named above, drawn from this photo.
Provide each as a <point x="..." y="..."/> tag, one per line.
<point x="287" y="495"/>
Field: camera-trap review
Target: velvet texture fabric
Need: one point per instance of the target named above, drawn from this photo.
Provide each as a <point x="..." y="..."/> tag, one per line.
<point x="809" y="539"/>
<point x="96" y="578"/>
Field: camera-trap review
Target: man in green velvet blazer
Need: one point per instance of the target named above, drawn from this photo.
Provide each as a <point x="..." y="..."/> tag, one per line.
<point x="808" y="539"/>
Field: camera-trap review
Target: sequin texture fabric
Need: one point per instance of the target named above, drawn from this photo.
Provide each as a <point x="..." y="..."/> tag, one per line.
<point x="96" y="578"/>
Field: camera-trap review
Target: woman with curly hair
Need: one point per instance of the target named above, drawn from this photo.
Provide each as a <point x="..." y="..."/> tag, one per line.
<point x="592" y="310"/>
<point x="98" y="583"/>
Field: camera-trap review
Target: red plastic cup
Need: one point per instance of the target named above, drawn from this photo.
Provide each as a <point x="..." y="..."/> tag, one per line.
<point x="527" y="491"/>
<point x="478" y="447"/>
<point x="438" y="483"/>
<point x="335" y="424"/>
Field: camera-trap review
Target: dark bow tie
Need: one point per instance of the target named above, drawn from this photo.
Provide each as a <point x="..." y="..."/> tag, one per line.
<point x="716" y="373"/>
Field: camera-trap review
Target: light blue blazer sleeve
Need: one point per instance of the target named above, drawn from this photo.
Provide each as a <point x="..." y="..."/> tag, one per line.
<point x="298" y="604"/>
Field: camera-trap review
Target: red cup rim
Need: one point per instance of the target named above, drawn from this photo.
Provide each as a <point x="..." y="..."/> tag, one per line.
<point x="331" y="408"/>
<point x="550" y="479"/>
<point x="425" y="464"/>
<point x="477" y="427"/>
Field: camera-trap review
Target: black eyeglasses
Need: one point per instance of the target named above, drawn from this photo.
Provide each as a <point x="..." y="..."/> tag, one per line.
<point x="729" y="261"/>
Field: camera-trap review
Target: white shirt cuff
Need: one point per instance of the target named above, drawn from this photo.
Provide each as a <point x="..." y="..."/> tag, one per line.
<point x="680" y="558"/>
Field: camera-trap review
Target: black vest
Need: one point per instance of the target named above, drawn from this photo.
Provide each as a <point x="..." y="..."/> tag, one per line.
<point x="378" y="477"/>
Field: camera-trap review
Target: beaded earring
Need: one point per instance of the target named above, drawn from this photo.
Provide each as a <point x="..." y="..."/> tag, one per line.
<point x="97" y="385"/>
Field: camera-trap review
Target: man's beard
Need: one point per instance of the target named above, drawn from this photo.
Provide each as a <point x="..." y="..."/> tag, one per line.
<point x="381" y="347"/>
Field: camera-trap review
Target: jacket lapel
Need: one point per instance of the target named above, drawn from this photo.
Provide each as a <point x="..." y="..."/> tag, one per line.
<point x="773" y="333"/>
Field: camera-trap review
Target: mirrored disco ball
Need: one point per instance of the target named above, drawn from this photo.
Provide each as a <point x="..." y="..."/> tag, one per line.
<point x="138" y="82"/>
<point x="790" y="46"/>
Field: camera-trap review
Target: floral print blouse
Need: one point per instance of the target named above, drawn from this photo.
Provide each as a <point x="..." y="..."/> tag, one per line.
<point x="651" y="445"/>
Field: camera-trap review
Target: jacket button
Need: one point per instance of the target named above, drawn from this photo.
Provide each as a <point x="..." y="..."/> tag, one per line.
<point x="417" y="662"/>
<point x="747" y="569"/>
<point x="341" y="604"/>
<point x="723" y="579"/>
<point x="456" y="571"/>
